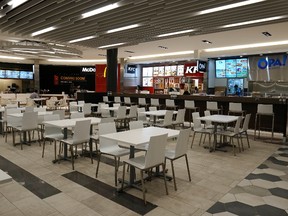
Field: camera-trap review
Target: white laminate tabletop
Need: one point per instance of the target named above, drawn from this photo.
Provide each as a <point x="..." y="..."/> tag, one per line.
<point x="139" y="136"/>
<point x="81" y="105"/>
<point x="64" y="123"/>
<point x="158" y="112"/>
<point x="220" y="118"/>
<point x="20" y="115"/>
<point x="112" y="108"/>
<point x="39" y="99"/>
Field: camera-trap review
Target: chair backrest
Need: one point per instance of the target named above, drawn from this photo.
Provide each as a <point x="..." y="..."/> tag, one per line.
<point x="127" y="100"/>
<point x="51" y="117"/>
<point x="182" y="142"/>
<point x="135" y="125"/>
<point x="207" y="113"/>
<point x="133" y="112"/>
<point x="11" y="120"/>
<point x="117" y="100"/>
<point x="105" y="128"/>
<point x="116" y="104"/>
<point x="73" y="103"/>
<point x="170" y="102"/>
<point x="156" y="150"/>
<point x="29" y="109"/>
<point x="61" y="113"/>
<point x="265" y="109"/>
<point x="189" y="104"/>
<point x="180" y="116"/>
<point x="196" y="121"/>
<point x="77" y="115"/>
<point x="121" y="113"/>
<point x="39" y="109"/>
<point x="49" y="130"/>
<point x="73" y="106"/>
<point x="142" y="101"/>
<point x="151" y="108"/>
<point x="246" y="122"/>
<point x="30" y="120"/>
<point x="168" y="118"/>
<point x="235" y="107"/>
<point x="212" y="105"/>
<point x="105" y="113"/>
<point x="81" y="102"/>
<point x="87" y="108"/>
<point x="105" y="99"/>
<point x="237" y="125"/>
<point x="140" y="115"/>
<point x="108" y="119"/>
<point x="82" y="131"/>
<point x="154" y="102"/>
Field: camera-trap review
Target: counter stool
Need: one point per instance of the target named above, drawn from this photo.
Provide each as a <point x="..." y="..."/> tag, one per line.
<point x="117" y="100"/>
<point x="142" y="103"/>
<point x="127" y="101"/>
<point x="264" y="110"/>
<point x="170" y="104"/>
<point x="236" y="109"/>
<point x="213" y="107"/>
<point x="155" y="103"/>
<point x="190" y="106"/>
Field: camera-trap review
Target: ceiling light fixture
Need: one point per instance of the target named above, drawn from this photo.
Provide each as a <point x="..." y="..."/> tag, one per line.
<point x="163" y="54"/>
<point x="247" y="46"/>
<point x="253" y="21"/>
<point x="43" y="31"/>
<point x="123" y="28"/>
<point x="175" y="33"/>
<point x="11" y="57"/>
<point x="100" y="10"/>
<point x="206" y="41"/>
<point x="111" y="45"/>
<point x="82" y="39"/>
<point x="16" y="3"/>
<point x="230" y="6"/>
<point x="77" y="60"/>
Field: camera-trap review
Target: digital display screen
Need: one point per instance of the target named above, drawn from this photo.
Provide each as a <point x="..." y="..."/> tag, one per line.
<point x="12" y="74"/>
<point x="147" y="71"/>
<point x="26" y="75"/>
<point x="232" y="68"/>
<point x="148" y="82"/>
<point x="2" y="74"/>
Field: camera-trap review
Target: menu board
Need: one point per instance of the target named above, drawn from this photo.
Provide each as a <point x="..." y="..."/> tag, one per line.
<point x="155" y="71"/>
<point x="232" y="68"/>
<point x="147" y="71"/>
<point x="174" y="70"/>
<point x="168" y="71"/>
<point x="12" y="74"/>
<point x="241" y="67"/>
<point x="161" y="71"/>
<point x="26" y="75"/>
<point x="180" y="71"/>
<point x="220" y="69"/>
<point x="2" y="74"/>
<point x="230" y="65"/>
<point x="148" y="81"/>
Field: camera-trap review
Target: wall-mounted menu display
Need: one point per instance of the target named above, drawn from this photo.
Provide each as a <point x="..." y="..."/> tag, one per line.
<point x="147" y="81"/>
<point x="12" y="74"/>
<point x="232" y="68"/>
<point x="147" y="71"/>
<point x="161" y="71"/>
<point x="180" y="70"/>
<point x="2" y="74"/>
<point x="173" y="70"/>
<point x="26" y="75"/>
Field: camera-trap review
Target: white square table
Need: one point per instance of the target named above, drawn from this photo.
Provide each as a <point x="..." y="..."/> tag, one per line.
<point x="66" y="123"/>
<point x="157" y="113"/>
<point x="133" y="138"/>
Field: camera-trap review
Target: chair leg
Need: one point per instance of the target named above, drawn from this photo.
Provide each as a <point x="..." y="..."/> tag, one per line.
<point x="91" y="149"/>
<point x="247" y="139"/>
<point x="123" y="176"/>
<point x="192" y="140"/>
<point x="55" y="149"/>
<point x="143" y="187"/>
<point x="188" y="170"/>
<point x="72" y="156"/>
<point x="164" y="175"/>
<point x="44" y="149"/>
<point x="98" y="163"/>
<point x="173" y="174"/>
<point x="116" y="169"/>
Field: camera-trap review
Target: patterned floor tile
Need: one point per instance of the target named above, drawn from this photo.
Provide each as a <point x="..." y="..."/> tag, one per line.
<point x="279" y="192"/>
<point x="267" y="210"/>
<point x="269" y="171"/>
<point x="263" y="176"/>
<point x="239" y="208"/>
<point x="276" y="202"/>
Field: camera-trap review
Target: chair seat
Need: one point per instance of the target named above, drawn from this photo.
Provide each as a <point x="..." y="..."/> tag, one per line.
<point x="54" y="136"/>
<point x="115" y="151"/>
<point x="138" y="162"/>
<point x="170" y="154"/>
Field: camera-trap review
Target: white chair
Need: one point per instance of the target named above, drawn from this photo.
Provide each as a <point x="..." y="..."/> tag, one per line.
<point x="105" y="113"/>
<point x="213" y="107"/>
<point x="51" y="133"/>
<point x="235" y="108"/>
<point x="80" y="136"/>
<point x="81" y="102"/>
<point x="132" y="113"/>
<point x="77" y="115"/>
<point x="136" y="125"/>
<point x="244" y="129"/>
<point x="264" y="110"/>
<point x="190" y="106"/>
<point x="117" y="100"/>
<point x="179" y="121"/>
<point x="154" y="157"/>
<point x="179" y="151"/>
<point x="29" y="109"/>
<point x="10" y="121"/>
<point x="87" y="109"/>
<point x="232" y="134"/>
<point x="155" y="103"/>
<point x="105" y="99"/>
<point x="73" y="106"/>
<point x="198" y="128"/>
<point x="110" y="147"/>
<point x="29" y="123"/>
<point x="142" y="102"/>
<point x="170" y="104"/>
<point x="142" y="116"/>
<point x="167" y="122"/>
<point x="61" y="113"/>
<point x="121" y="120"/>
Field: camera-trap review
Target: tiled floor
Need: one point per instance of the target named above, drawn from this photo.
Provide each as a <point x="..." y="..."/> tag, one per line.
<point x="255" y="182"/>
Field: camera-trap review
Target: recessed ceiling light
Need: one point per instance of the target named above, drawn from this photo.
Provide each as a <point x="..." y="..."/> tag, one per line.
<point x="111" y="45"/>
<point x="100" y="10"/>
<point x="82" y="39"/>
<point x="123" y="28"/>
<point x="76" y="60"/>
<point x="230" y="6"/>
<point x="43" y="31"/>
<point x="163" y="47"/>
<point x="163" y="54"/>
<point x="175" y="33"/>
<point x="11" y="57"/>
<point x="254" y="21"/>
<point x="206" y="41"/>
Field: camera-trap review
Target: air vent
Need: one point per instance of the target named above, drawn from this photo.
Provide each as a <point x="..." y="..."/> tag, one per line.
<point x="206" y="41"/>
<point x="163" y="47"/>
<point x="128" y="51"/>
<point x="267" y="34"/>
<point x="101" y="55"/>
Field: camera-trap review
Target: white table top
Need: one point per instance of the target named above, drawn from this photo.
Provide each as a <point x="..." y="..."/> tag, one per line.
<point x="112" y="108"/>
<point x="20" y="115"/>
<point x="81" y="105"/>
<point x="158" y="112"/>
<point x="64" y="123"/>
<point x="220" y="118"/>
<point x="139" y="136"/>
<point x="39" y="99"/>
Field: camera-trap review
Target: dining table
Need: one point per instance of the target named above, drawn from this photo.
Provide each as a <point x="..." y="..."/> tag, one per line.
<point x="156" y="114"/>
<point x="134" y="138"/>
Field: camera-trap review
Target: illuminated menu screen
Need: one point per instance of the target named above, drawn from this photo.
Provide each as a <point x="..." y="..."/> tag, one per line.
<point x="12" y="74"/>
<point x="232" y="68"/>
<point x="2" y="74"/>
<point x="26" y="75"/>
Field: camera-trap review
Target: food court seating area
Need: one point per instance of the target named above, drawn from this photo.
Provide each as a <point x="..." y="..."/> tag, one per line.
<point x="205" y="178"/>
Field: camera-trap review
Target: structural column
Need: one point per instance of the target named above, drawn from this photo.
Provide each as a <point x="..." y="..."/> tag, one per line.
<point x="111" y="72"/>
<point x="36" y="75"/>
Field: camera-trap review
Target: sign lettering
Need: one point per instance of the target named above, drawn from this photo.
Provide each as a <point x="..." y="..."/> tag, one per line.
<point x="89" y="69"/>
<point x="263" y="63"/>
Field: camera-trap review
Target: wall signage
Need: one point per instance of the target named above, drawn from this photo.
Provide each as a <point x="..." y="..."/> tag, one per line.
<point x="269" y="62"/>
<point x="131" y="69"/>
<point x="193" y="69"/>
<point x="88" y="69"/>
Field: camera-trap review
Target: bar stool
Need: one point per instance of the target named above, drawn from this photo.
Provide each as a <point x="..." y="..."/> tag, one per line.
<point x="263" y="110"/>
<point x="127" y="101"/>
<point x="236" y="108"/>
<point x="190" y="105"/>
<point x="155" y="103"/>
<point x="142" y="103"/>
<point x="170" y="104"/>
<point x="213" y="107"/>
<point x="117" y="100"/>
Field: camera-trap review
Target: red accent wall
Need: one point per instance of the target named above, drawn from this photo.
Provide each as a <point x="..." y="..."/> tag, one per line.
<point x="100" y="80"/>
